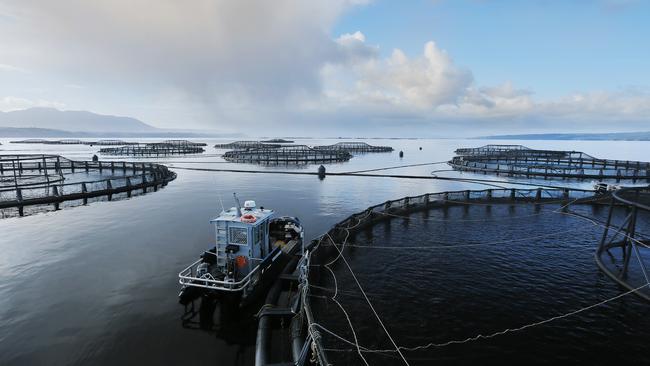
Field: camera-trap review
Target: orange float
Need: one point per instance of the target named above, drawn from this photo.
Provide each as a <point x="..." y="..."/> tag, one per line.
<point x="241" y="261"/>
<point x="248" y="218"/>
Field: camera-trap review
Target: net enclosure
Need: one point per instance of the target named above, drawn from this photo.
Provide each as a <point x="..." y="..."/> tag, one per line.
<point x="166" y="148"/>
<point x="34" y="183"/>
<point x="354" y="147"/>
<point x="625" y="238"/>
<point x="517" y="160"/>
<point x="327" y="254"/>
<point x="294" y="154"/>
<point x="240" y="145"/>
<point x="278" y="141"/>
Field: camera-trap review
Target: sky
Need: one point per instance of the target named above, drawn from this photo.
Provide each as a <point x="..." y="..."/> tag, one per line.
<point x="435" y="68"/>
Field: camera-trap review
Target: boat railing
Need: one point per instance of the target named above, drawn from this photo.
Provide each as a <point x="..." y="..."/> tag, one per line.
<point x="190" y="277"/>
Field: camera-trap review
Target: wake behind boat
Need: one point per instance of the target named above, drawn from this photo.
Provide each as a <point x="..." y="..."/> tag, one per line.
<point x="249" y="244"/>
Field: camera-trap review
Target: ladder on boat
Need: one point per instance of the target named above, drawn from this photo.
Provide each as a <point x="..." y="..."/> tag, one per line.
<point x="222" y="242"/>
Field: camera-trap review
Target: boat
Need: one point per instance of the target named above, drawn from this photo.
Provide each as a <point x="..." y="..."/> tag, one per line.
<point x="250" y="247"/>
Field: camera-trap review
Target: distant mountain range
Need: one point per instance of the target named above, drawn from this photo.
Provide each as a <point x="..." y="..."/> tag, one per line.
<point x="78" y="121"/>
<point x="624" y="136"/>
<point x="50" y="122"/>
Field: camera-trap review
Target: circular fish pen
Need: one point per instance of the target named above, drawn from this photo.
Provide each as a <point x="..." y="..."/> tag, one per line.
<point x="107" y="142"/>
<point x="625" y="239"/>
<point x="277" y="141"/>
<point x="294" y="154"/>
<point x="111" y="143"/>
<point x="463" y="277"/>
<point x="354" y="147"/>
<point x="153" y="150"/>
<point x="184" y="143"/>
<point x="30" y="141"/>
<point x="241" y="145"/>
<point x="36" y="183"/>
<point x="517" y="160"/>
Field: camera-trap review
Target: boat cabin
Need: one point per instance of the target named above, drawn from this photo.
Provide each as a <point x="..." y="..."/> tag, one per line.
<point x="248" y="240"/>
<point x="242" y="239"/>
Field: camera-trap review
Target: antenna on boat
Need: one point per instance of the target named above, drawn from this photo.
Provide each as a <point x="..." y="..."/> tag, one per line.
<point x="238" y="206"/>
<point x="221" y="202"/>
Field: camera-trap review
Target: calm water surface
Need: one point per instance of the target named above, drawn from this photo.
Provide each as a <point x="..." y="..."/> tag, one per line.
<point x="97" y="284"/>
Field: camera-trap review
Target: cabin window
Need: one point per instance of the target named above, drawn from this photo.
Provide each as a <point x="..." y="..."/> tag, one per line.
<point x="238" y="235"/>
<point x="258" y="233"/>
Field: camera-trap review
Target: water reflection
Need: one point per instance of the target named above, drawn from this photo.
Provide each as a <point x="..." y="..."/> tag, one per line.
<point x="234" y="325"/>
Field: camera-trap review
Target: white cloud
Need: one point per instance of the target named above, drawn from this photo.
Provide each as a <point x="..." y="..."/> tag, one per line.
<point x="431" y="87"/>
<point x="201" y="46"/>
<point x="73" y="86"/>
<point x="11" y="103"/>
<point x="424" y="82"/>
<point x="12" y="68"/>
<point x="268" y="65"/>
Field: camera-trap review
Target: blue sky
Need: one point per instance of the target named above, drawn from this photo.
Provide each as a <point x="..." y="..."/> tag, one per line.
<point x="551" y="47"/>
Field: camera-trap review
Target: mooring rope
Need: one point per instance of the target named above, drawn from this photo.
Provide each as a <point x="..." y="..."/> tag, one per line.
<point x="333" y="298"/>
<point x="491" y="335"/>
<point x="397" y="348"/>
<point x="340" y="255"/>
<point x="395" y="167"/>
<point x="397" y="176"/>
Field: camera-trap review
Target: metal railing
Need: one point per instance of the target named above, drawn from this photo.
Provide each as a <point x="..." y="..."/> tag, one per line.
<point x="622" y="232"/>
<point x="293" y="154"/>
<point x="189" y="277"/>
<point x="522" y="161"/>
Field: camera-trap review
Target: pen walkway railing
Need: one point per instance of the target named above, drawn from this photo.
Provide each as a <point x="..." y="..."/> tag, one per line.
<point x="37" y="180"/>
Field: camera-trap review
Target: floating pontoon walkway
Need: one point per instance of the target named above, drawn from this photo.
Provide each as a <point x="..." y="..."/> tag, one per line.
<point x="294" y="154"/>
<point x="354" y="147"/>
<point x="517" y="160"/>
<point x="154" y="149"/>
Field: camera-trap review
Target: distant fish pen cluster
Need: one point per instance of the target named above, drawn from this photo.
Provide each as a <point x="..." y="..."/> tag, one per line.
<point x="293" y="154"/>
<point x="278" y="141"/>
<point x="517" y="160"/>
<point x="126" y="148"/>
<point x="354" y="147"/>
<point x="108" y="142"/>
<point x="167" y="148"/>
<point x="33" y="183"/>
<point x="239" y="145"/>
<point x="264" y="152"/>
<point x="183" y="143"/>
<point x="306" y="333"/>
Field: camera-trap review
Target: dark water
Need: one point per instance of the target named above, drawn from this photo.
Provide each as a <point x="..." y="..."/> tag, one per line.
<point x="442" y="293"/>
<point x="97" y="284"/>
